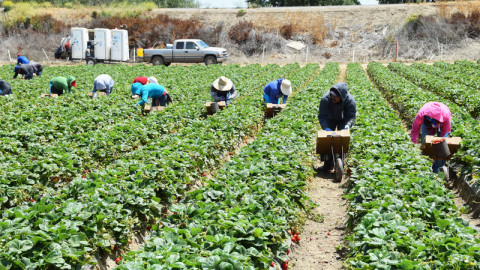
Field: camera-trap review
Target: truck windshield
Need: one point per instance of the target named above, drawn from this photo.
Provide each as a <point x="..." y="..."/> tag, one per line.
<point x="203" y="44"/>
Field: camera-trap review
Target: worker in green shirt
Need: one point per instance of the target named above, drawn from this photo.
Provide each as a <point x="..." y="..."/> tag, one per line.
<point x="59" y="84"/>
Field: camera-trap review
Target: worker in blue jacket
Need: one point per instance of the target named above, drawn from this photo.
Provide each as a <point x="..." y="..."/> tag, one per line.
<point x="22" y="59"/>
<point x="103" y="83"/>
<point x="157" y="92"/>
<point x="274" y="91"/>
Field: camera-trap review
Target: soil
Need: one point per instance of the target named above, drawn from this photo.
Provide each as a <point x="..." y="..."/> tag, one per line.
<point x="322" y="241"/>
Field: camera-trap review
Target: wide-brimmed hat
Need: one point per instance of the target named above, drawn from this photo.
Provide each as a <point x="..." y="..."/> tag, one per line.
<point x="152" y="80"/>
<point x="223" y="84"/>
<point x="286" y="87"/>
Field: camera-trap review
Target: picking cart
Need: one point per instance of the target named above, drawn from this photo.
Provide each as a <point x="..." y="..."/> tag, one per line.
<point x="334" y="144"/>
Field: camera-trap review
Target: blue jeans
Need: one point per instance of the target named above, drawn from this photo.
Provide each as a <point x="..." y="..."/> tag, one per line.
<point x="437" y="164"/>
<point x="39" y="73"/>
<point x="162" y="101"/>
<point x="28" y="76"/>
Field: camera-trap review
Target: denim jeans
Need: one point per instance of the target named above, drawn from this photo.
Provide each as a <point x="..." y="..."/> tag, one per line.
<point x="437" y="164"/>
<point x="161" y="100"/>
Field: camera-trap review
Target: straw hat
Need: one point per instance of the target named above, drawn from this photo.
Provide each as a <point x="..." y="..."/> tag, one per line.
<point x="152" y="80"/>
<point x="223" y="84"/>
<point x="286" y="87"/>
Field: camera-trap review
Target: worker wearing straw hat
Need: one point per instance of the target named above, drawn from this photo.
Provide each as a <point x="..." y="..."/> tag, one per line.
<point x="222" y="89"/>
<point x="274" y="91"/>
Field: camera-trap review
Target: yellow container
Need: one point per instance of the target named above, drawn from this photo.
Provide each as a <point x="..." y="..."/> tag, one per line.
<point x="140" y="52"/>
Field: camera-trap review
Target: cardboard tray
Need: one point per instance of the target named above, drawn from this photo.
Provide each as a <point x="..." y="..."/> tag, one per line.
<point x="90" y="94"/>
<point x="325" y="139"/>
<point x="149" y="108"/>
<point x="49" y="95"/>
<point x="271" y="107"/>
<point x="453" y="146"/>
<point x="208" y="105"/>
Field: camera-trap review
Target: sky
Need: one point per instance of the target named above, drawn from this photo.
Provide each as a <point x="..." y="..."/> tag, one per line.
<point x="243" y="3"/>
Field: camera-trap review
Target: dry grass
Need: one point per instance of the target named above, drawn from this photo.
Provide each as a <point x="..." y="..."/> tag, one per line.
<point x="300" y="23"/>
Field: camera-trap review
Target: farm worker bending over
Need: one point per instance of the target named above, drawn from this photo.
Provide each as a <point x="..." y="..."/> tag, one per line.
<point x="59" y="84"/>
<point x="5" y="88"/>
<point x="155" y="91"/>
<point x="142" y="80"/>
<point x="37" y="68"/>
<point x="103" y="83"/>
<point x="22" y="59"/>
<point x="432" y="119"/>
<point x="337" y="109"/>
<point x="274" y="91"/>
<point x="26" y="70"/>
<point x="222" y="89"/>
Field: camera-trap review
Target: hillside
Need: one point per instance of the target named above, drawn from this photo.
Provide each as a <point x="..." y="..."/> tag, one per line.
<point x="336" y="33"/>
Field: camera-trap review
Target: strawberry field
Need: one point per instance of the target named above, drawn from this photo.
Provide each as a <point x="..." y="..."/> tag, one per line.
<point x="80" y="177"/>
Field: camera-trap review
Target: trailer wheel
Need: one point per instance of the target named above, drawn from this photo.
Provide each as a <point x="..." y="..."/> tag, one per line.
<point x="338" y="170"/>
<point x="210" y="60"/>
<point x="91" y="61"/>
<point x="157" y="60"/>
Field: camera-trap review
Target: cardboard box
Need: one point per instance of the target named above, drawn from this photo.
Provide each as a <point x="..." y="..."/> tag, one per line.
<point x="273" y="109"/>
<point x="49" y="95"/>
<point x="453" y="146"/>
<point x="208" y="105"/>
<point x="90" y="94"/>
<point x="325" y="140"/>
<point x="149" y="108"/>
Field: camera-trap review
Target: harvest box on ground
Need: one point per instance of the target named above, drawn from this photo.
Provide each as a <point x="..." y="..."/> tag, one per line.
<point x="325" y="139"/>
<point x="98" y="93"/>
<point x="273" y="109"/>
<point x="221" y="106"/>
<point x="49" y="95"/>
<point x="453" y="146"/>
<point x="149" y="108"/>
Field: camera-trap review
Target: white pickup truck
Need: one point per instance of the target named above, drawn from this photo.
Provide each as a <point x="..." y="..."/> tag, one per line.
<point x="186" y="51"/>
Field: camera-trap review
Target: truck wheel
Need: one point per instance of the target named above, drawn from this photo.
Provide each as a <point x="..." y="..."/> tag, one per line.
<point x="210" y="60"/>
<point x="91" y="61"/>
<point x="157" y="60"/>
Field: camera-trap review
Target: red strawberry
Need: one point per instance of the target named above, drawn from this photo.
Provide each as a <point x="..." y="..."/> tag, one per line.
<point x="84" y="176"/>
<point x="297" y="237"/>
<point x="288" y="251"/>
<point x="149" y="228"/>
<point x="118" y="259"/>
<point x="272" y="264"/>
<point x="204" y="174"/>
<point x="311" y="238"/>
<point x="32" y="200"/>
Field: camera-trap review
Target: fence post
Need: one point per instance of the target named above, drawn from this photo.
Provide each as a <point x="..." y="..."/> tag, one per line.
<point x="306" y="56"/>
<point x="9" y="57"/>
<point x="263" y="53"/>
<point x="396" y="52"/>
<point x="353" y="55"/>
<point x="46" y="55"/>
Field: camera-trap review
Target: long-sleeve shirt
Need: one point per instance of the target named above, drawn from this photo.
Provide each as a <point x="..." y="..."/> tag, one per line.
<point x="63" y="83"/>
<point x="151" y="90"/>
<point x="27" y="70"/>
<point x="273" y="90"/>
<point x="22" y="60"/>
<point x="435" y="110"/>
<point x="103" y="82"/>
<point x="5" y="88"/>
<point x="342" y="114"/>
<point x="227" y="95"/>
<point x="37" y="67"/>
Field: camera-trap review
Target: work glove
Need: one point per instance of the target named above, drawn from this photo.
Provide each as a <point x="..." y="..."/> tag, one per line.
<point x="447" y="135"/>
<point x="327" y="129"/>
<point x="347" y="127"/>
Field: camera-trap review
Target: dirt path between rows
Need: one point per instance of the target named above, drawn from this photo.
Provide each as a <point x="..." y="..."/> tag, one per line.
<point x="320" y="239"/>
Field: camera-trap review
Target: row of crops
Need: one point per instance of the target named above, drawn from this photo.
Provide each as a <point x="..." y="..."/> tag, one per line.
<point x="79" y="177"/>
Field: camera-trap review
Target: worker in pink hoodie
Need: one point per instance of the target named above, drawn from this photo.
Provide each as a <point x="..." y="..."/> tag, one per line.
<point x="432" y="119"/>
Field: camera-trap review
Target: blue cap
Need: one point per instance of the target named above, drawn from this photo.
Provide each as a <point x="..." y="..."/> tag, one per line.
<point x="16" y="69"/>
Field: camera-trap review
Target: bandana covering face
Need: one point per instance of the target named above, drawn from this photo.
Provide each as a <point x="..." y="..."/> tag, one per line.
<point x="430" y="122"/>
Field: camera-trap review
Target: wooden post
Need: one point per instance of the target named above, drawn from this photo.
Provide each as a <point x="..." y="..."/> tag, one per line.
<point x="9" y="57"/>
<point x="46" y="55"/>
<point x="396" y="52"/>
